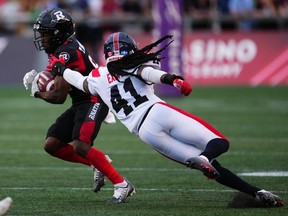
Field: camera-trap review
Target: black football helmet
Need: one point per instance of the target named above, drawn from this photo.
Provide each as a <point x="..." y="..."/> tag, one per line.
<point x="118" y="45"/>
<point x="52" y="28"/>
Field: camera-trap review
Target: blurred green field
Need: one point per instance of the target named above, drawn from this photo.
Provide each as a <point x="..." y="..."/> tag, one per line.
<point x="254" y="119"/>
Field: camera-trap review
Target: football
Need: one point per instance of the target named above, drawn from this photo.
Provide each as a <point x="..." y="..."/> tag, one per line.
<point x="46" y="81"/>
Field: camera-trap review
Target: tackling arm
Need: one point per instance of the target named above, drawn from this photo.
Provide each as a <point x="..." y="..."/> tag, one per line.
<point x="72" y="77"/>
<point x="76" y="79"/>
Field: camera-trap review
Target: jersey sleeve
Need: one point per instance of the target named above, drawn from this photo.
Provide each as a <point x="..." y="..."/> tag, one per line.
<point x="92" y="81"/>
<point x="150" y="72"/>
<point x="153" y="64"/>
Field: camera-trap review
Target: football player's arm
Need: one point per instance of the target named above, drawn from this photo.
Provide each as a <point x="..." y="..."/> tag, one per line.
<point x="76" y="79"/>
<point x="72" y="77"/>
<point x="158" y="76"/>
<point x="61" y="88"/>
<point x="59" y="94"/>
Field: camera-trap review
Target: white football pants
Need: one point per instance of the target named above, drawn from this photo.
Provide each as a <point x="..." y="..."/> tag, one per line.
<point x="176" y="133"/>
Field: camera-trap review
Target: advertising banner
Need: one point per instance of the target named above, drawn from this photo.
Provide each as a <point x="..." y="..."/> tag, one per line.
<point x="234" y="58"/>
<point x="254" y="58"/>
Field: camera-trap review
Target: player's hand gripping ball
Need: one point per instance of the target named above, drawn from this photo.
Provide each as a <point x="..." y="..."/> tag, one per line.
<point x="46" y="81"/>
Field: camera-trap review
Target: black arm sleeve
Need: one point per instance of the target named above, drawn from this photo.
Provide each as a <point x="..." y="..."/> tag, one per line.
<point x="169" y="78"/>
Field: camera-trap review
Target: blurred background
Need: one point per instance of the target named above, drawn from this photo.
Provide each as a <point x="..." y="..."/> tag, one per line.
<point x="216" y="42"/>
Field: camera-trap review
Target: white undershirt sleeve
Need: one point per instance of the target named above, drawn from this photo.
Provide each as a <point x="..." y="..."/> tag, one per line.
<point x="74" y="78"/>
<point x="151" y="74"/>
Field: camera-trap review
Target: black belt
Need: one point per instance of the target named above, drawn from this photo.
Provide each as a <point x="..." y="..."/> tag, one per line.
<point x="144" y="117"/>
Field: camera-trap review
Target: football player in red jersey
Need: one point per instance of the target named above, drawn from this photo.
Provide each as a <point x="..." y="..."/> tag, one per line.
<point x="53" y="32"/>
<point x="126" y="86"/>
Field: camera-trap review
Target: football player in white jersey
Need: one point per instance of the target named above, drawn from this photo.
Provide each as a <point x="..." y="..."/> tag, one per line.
<point x="126" y="86"/>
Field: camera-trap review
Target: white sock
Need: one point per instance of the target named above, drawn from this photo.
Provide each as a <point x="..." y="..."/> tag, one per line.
<point x="122" y="184"/>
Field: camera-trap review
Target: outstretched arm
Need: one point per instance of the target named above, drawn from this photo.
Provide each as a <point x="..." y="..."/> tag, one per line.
<point x="159" y="76"/>
<point x="76" y="79"/>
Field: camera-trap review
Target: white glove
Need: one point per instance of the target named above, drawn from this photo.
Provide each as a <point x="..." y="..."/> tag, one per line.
<point x="110" y="118"/>
<point x="34" y="86"/>
<point x="29" y="77"/>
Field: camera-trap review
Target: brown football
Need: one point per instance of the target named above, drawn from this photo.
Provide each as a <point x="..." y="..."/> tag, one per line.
<point x="46" y="81"/>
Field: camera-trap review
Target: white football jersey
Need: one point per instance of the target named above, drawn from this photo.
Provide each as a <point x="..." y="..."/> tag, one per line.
<point x="128" y="99"/>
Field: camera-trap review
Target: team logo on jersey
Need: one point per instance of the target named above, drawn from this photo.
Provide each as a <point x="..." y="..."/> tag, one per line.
<point x="65" y="56"/>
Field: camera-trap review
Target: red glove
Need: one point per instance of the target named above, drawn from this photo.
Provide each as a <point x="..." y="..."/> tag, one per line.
<point x="48" y="68"/>
<point x="183" y="86"/>
<point x="57" y="65"/>
<point x="53" y="59"/>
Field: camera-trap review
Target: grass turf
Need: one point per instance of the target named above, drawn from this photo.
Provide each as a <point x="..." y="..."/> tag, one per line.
<point x="254" y="119"/>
